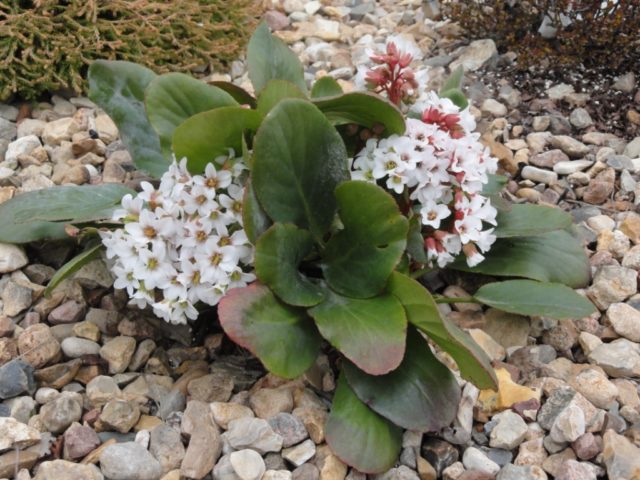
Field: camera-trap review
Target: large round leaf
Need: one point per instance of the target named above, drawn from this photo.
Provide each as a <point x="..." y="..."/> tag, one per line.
<point x="42" y="214"/>
<point x="269" y="58"/>
<point x="422" y="312"/>
<point x="299" y="159"/>
<point x="371" y="333"/>
<point x="360" y="437"/>
<point x="282" y="337"/>
<point x="326" y="87"/>
<point x="254" y="219"/>
<point x="118" y="88"/>
<point x="359" y="259"/>
<point x="172" y="98"/>
<point x="528" y="297"/>
<point x="551" y="257"/>
<point x="421" y="394"/>
<point x="274" y="92"/>
<point x="527" y="219"/>
<point x="208" y="135"/>
<point x="239" y="94"/>
<point x="363" y="108"/>
<point x="279" y="252"/>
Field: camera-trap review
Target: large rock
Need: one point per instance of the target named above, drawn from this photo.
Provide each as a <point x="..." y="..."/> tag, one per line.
<point x="621" y="457"/>
<point x="475" y="55"/>
<point x="509" y="432"/>
<point x="38" y="346"/>
<point x="204" y="448"/>
<point x="166" y="445"/>
<point x="16" y="377"/>
<point x="58" y="414"/>
<point x="254" y="433"/>
<point x="14" y="434"/>
<point x="118" y="352"/>
<point x="612" y="284"/>
<point x="62" y="469"/>
<point x="625" y="320"/>
<point x="129" y="461"/>
<point x="12" y="257"/>
<point x="620" y="358"/>
<point x="21" y="146"/>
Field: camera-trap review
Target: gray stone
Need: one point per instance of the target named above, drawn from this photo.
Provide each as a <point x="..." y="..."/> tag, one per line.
<point x="558" y="92"/>
<point x="16" y="298"/>
<point x="129" y="461"/>
<point x="475" y="55"/>
<point x="569" y="425"/>
<point x="625" y="320"/>
<point x="58" y="414"/>
<point x="548" y="159"/>
<point x="632" y="150"/>
<point x="23" y="145"/>
<point x="620" y="162"/>
<point x="509" y="431"/>
<point x="247" y="464"/>
<point x="100" y="390"/>
<point x="12" y="257"/>
<point x="493" y="107"/>
<point x="558" y="400"/>
<point x="625" y="83"/>
<point x="16" y="378"/>
<point x="300" y="453"/>
<point x="165" y="444"/>
<point x="612" y="284"/>
<point x="15" y="434"/>
<point x="620" y="358"/>
<point x="204" y="448"/>
<point x="254" y="433"/>
<point x="572" y="166"/>
<point x="580" y="118"/>
<point x="621" y="457"/>
<point x="475" y="459"/>
<point x="22" y="408"/>
<point x="570" y="146"/>
<point x="119" y="415"/>
<point x="224" y="470"/>
<point x="289" y="427"/>
<point x="539" y="175"/>
<point x="514" y="472"/>
<point x="74" y="347"/>
<point x="63" y="469"/>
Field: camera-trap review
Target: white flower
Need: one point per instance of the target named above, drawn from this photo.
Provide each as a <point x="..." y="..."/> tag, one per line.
<point x="182" y="243"/>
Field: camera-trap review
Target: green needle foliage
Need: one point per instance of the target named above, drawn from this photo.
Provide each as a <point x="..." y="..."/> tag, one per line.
<point x="48" y="44"/>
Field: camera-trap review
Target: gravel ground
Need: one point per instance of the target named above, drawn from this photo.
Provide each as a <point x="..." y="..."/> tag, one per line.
<point x="91" y="389"/>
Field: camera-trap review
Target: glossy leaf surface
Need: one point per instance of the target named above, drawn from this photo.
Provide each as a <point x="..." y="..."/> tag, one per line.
<point x="325" y="87"/>
<point x="363" y="108"/>
<point x="269" y="58"/>
<point x="299" y="159"/>
<point x="527" y="219"/>
<point x="118" y="88"/>
<point x="421" y="394"/>
<point x="528" y="297"/>
<point x="359" y="259"/>
<point x="274" y="92"/>
<point x="208" y="135"/>
<point x="371" y="333"/>
<point x="422" y="312"/>
<point x="279" y="252"/>
<point x="172" y="98"/>
<point x="282" y="337"/>
<point x="555" y="257"/>
<point x="42" y="214"/>
<point x="359" y="436"/>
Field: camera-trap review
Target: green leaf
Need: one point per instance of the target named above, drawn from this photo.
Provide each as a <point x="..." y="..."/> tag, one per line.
<point x="174" y="97"/>
<point x="254" y="219"/>
<point x="364" y="108"/>
<point x="422" y="312"/>
<point x="421" y="394"/>
<point x="299" y="159"/>
<point x="282" y="337"/>
<point x="239" y="94"/>
<point x="269" y="58"/>
<point x="555" y="257"/>
<point x="208" y="135"/>
<point x="526" y="219"/>
<point x="371" y="333"/>
<point x="415" y="241"/>
<point x="457" y="97"/>
<point x="528" y="297"/>
<point x="360" y="437"/>
<point x="274" y="92"/>
<point x="454" y="81"/>
<point x="72" y="266"/>
<point x="358" y="260"/>
<point x="495" y="184"/>
<point x="279" y="252"/>
<point x="42" y="214"/>
<point x="118" y="88"/>
<point x="326" y="87"/>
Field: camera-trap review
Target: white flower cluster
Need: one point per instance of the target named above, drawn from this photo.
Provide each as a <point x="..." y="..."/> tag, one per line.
<point x="441" y="166"/>
<point x="183" y="242"/>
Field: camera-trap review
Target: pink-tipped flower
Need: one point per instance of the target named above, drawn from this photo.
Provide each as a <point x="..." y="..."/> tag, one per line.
<point x="393" y="75"/>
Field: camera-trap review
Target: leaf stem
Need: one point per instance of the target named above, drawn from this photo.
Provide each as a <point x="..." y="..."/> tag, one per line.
<point x="418" y="273"/>
<point x="441" y="299"/>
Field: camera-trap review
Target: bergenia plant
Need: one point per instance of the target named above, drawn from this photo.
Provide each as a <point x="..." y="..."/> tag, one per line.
<point x="309" y="219"/>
